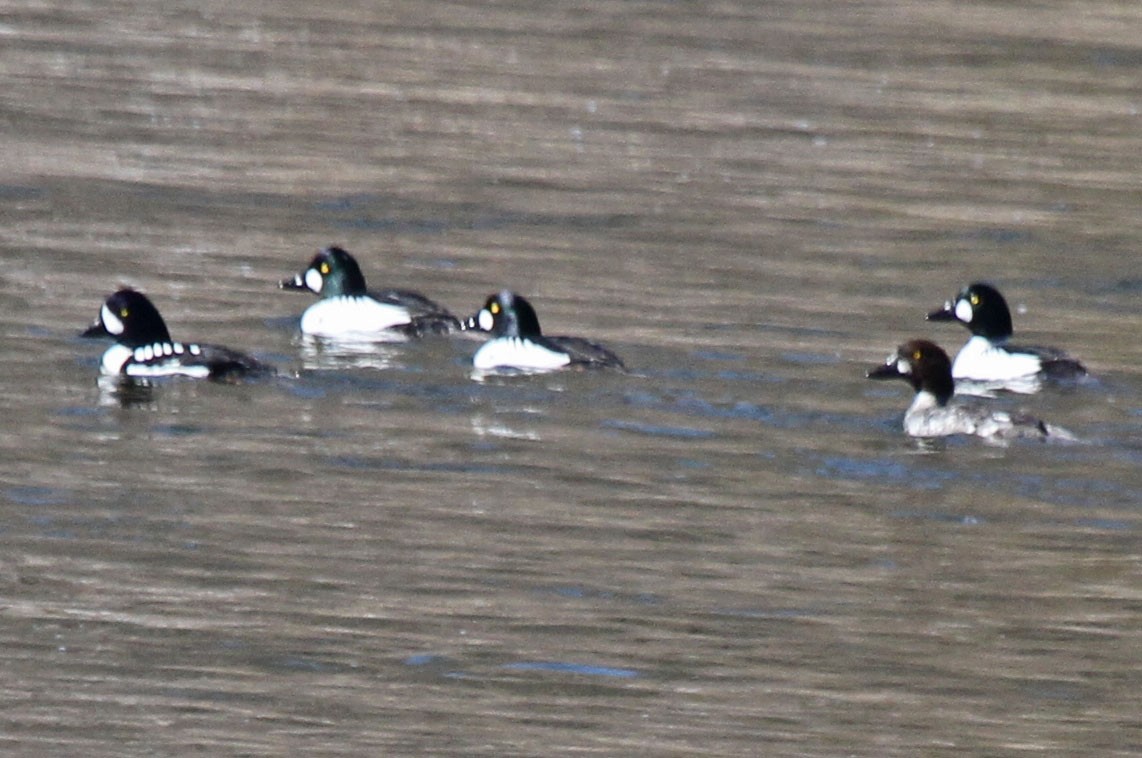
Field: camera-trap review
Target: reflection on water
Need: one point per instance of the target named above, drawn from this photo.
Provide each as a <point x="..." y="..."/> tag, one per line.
<point x="733" y="544"/>
<point x="126" y="392"/>
<point x="320" y="354"/>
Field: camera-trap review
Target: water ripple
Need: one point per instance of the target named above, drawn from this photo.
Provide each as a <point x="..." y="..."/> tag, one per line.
<point x="658" y="430"/>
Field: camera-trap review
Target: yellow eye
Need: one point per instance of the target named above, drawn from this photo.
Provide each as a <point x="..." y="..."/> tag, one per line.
<point x="916" y="355"/>
<point x="324" y="268"/>
<point x="124" y="312"/>
<point x="974" y="299"/>
<point x="495" y="309"/>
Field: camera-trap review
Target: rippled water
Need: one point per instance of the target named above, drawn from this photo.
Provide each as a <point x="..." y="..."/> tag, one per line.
<point x="730" y="550"/>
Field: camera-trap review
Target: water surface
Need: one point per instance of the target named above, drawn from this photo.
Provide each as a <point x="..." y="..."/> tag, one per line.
<point x="730" y="550"/>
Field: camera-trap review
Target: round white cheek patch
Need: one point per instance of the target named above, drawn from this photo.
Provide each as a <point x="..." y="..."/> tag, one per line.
<point x="903" y="366"/>
<point x="486" y="319"/>
<point x="963" y="311"/>
<point x="110" y="321"/>
<point x="313" y="280"/>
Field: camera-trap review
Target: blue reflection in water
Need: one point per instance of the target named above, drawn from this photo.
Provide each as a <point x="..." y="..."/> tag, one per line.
<point x="691" y="404"/>
<point x="579" y="592"/>
<point x="712" y="355"/>
<point x="31" y="495"/>
<point x="882" y="470"/>
<point x="384" y="213"/>
<point x="1112" y="525"/>
<point x="811" y="359"/>
<point x="572" y="668"/>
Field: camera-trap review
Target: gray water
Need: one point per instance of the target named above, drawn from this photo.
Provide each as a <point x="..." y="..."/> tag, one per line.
<point x="731" y="550"/>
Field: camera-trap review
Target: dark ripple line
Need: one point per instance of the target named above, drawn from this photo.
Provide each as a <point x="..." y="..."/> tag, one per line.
<point x="658" y="430"/>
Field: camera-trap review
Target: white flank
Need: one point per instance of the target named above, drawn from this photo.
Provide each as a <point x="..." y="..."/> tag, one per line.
<point x="167" y="368"/>
<point x="512" y="352"/>
<point x="352" y="317"/>
<point x="980" y="360"/>
<point x="161" y="360"/>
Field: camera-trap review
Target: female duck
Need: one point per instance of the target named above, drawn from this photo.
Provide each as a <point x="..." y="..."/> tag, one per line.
<point x="933" y="414"/>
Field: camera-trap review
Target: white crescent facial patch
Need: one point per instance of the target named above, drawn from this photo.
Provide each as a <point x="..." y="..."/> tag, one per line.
<point x="110" y="321"/>
<point x="314" y="280"/>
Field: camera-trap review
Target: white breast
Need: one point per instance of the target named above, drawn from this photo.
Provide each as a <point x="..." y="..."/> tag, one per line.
<point x="114" y="358"/>
<point x="938" y="422"/>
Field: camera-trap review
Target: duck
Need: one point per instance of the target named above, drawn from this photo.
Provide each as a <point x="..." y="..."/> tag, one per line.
<point x="934" y="413"/>
<point x="518" y="344"/>
<point x="988" y="361"/>
<point x="144" y="348"/>
<point x="348" y="311"/>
